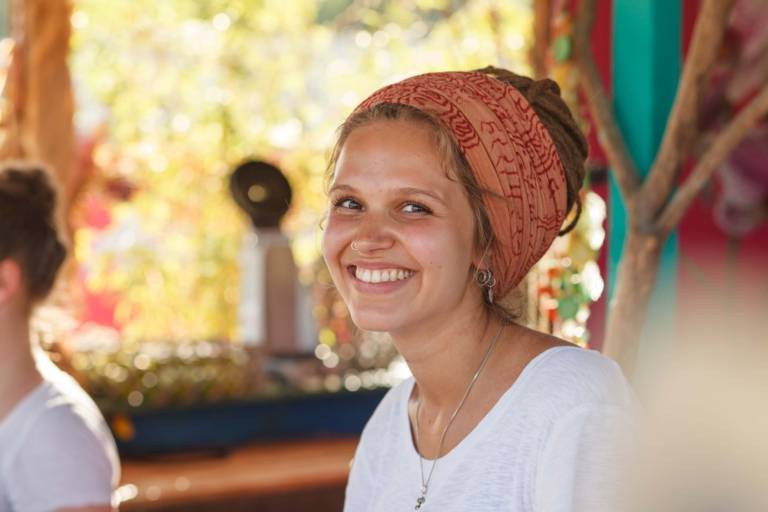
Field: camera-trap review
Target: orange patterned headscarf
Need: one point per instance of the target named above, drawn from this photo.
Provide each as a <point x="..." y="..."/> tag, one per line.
<point x="511" y="154"/>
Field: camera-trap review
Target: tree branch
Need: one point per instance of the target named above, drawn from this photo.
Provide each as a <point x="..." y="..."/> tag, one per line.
<point x="542" y="20"/>
<point x="624" y="169"/>
<point x="681" y="125"/>
<point x="718" y="151"/>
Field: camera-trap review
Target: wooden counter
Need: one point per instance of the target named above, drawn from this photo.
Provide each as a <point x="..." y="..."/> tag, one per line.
<point x="285" y="476"/>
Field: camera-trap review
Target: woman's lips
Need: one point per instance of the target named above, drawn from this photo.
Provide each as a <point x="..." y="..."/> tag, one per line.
<point x="381" y="275"/>
<point x="383" y="279"/>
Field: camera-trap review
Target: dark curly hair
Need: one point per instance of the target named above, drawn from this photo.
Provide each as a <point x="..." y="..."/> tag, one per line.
<point x="28" y="231"/>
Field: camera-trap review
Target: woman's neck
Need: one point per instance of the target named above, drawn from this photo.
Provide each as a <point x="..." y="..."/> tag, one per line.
<point x="444" y="357"/>
<point x="18" y="371"/>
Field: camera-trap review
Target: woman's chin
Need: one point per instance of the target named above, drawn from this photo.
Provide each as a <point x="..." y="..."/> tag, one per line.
<point x="374" y="321"/>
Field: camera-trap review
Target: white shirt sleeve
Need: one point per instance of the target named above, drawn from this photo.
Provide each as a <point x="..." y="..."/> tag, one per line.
<point x="61" y="463"/>
<point x="584" y="466"/>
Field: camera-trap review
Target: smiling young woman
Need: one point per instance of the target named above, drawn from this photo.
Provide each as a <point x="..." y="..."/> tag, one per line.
<point x="445" y="189"/>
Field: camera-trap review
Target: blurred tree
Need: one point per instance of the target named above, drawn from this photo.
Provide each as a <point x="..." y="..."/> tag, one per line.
<point x="657" y="204"/>
<point x="188" y="88"/>
<point x="37" y="99"/>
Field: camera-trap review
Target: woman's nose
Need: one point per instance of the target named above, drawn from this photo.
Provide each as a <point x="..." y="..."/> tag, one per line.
<point x="371" y="238"/>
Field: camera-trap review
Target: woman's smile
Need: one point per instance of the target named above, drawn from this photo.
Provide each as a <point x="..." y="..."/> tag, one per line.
<point x="368" y="275"/>
<point x="377" y="279"/>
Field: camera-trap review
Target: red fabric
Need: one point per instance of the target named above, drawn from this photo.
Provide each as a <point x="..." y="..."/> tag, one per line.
<point x="510" y="153"/>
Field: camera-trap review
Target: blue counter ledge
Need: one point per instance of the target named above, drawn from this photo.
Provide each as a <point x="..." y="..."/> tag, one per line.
<point x="221" y="426"/>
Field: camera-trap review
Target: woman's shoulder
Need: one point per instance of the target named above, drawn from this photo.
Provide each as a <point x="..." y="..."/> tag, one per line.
<point x="569" y="375"/>
<point x="578" y="367"/>
<point x="57" y="433"/>
<point x="63" y="418"/>
<point x="63" y="456"/>
<point x="67" y="415"/>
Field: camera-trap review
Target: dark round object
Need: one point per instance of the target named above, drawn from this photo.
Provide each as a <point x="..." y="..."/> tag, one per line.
<point x="262" y="191"/>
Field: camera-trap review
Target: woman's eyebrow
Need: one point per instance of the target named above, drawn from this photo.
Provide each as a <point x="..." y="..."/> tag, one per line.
<point x="401" y="190"/>
<point x="414" y="190"/>
<point x="341" y="186"/>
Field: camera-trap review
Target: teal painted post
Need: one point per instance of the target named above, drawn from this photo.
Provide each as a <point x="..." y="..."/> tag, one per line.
<point x="5" y="25"/>
<point x="646" y="68"/>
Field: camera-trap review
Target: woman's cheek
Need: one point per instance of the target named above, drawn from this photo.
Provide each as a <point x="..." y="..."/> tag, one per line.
<point x="334" y="240"/>
<point x="430" y="238"/>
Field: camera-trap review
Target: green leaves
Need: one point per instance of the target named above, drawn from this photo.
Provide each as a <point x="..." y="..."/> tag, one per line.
<point x="189" y="88"/>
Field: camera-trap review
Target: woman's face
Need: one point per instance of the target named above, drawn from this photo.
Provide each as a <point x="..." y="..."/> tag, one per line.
<point x="412" y="226"/>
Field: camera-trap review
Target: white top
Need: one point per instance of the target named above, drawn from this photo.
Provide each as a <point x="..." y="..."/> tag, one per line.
<point x="552" y="443"/>
<point x="55" y="449"/>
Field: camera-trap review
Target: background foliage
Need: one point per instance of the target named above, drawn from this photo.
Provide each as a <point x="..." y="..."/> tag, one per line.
<point x="173" y="94"/>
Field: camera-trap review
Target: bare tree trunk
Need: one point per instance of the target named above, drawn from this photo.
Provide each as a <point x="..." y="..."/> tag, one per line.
<point x="542" y="20"/>
<point x="635" y="282"/>
<point x="656" y="206"/>
<point x="45" y="105"/>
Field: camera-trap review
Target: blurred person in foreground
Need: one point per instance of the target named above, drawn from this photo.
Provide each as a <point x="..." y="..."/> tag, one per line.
<point x="445" y="189"/>
<point x="704" y="446"/>
<point x="56" y="452"/>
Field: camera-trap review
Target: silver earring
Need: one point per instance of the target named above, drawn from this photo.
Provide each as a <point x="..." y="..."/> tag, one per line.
<point x="486" y="280"/>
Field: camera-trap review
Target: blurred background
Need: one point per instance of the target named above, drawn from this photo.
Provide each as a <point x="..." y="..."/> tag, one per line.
<point x="190" y="138"/>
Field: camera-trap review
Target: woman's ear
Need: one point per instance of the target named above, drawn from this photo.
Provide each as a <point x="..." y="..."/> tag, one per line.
<point x="10" y="280"/>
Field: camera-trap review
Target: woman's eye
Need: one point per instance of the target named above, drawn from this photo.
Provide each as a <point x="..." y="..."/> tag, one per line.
<point x="347" y="204"/>
<point x="415" y="208"/>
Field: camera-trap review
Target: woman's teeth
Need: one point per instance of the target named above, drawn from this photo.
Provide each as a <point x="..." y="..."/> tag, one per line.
<point x="382" y="276"/>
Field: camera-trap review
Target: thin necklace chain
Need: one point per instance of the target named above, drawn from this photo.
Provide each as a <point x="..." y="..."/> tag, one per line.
<point x="425" y="483"/>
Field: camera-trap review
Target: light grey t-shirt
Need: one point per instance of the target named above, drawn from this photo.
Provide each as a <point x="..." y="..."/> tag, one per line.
<point x="554" y="442"/>
<point x="55" y="449"/>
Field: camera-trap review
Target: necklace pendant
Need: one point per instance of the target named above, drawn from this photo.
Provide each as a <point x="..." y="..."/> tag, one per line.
<point x="419" y="502"/>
